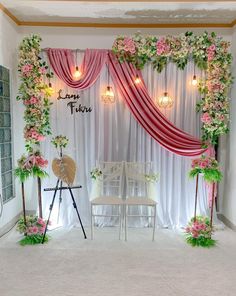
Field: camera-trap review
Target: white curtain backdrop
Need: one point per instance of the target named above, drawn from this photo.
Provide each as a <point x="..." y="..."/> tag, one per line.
<point x="110" y="133"/>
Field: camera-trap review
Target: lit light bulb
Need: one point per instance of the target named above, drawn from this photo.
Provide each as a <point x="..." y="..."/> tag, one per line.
<point x="165" y="101"/>
<point x="77" y="73"/>
<point x="108" y="96"/>
<point x="194" y="81"/>
<point x="137" y="79"/>
<point x="50" y="88"/>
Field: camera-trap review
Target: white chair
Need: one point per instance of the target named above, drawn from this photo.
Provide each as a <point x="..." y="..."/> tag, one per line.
<point x="111" y="192"/>
<point x="137" y="192"/>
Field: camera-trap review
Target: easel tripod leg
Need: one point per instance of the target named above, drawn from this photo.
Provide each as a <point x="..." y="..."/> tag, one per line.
<point x="75" y="206"/>
<point x="50" y="211"/>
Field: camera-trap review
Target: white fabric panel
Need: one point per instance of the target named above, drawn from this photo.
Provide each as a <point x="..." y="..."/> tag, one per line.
<point x="110" y="133"/>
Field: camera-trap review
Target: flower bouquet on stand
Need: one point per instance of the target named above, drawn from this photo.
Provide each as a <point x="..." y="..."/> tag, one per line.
<point x="33" y="228"/>
<point x="208" y="167"/>
<point x="200" y="229"/>
<point x="199" y="232"/>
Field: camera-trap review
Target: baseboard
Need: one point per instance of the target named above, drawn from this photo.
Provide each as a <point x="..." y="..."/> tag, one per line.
<point x="9" y="225"/>
<point x="226" y="221"/>
<point x="13" y="221"/>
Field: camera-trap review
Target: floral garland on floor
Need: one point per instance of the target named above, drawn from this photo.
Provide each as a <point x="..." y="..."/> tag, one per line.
<point x="35" y="94"/>
<point x="199" y="233"/>
<point x="208" y="51"/>
<point x="33" y="228"/>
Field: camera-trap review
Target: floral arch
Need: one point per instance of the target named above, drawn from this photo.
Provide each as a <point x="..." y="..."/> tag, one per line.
<point x="209" y="53"/>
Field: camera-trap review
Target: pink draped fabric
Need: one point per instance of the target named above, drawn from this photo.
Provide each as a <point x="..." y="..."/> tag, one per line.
<point x="136" y="96"/>
<point x="147" y="114"/>
<point x="63" y="64"/>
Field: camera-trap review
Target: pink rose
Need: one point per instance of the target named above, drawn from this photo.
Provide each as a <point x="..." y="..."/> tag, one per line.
<point x="40" y="138"/>
<point x="26" y="69"/>
<point x="206" y="118"/>
<point x="162" y="47"/>
<point x="129" y="45"/>
<point x="35" y="229"/>
<point x="43" y="70"/>
<point x="203" y="164"/>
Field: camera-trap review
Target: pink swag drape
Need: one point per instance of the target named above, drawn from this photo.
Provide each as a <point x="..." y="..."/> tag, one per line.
<point x="136" y="96"/>
<point x="63" y="64"/>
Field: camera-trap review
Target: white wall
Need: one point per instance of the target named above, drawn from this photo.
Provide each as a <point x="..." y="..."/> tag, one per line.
<point x="100" y="37"/>
<point x="229" y="150"/>
<point x="8" y="58"/>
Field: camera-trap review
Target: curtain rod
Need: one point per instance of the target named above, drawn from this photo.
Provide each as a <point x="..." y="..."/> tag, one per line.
<point x="78" y="50"/>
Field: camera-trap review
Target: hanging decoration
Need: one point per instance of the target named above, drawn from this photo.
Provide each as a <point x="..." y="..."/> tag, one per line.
<point x="208" y="51"/>
<point x="77" y="74"/>
<point x="165" y="101"/>
<point x="109" y="96"/>
<point x="35" y="94"/>
<point x="194" y="81"/>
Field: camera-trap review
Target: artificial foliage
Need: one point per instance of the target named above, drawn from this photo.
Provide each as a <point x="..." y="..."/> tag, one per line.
<point x="31" y="165"/>
<point x="60" y="141"/>
<point x="34" y="93"/>
<point x="33" y="229"/>
<point x="96" y="173"/>
<point x="209" y="52"/>
<point x="208" y="167"/>
<point x="198" y="232"/>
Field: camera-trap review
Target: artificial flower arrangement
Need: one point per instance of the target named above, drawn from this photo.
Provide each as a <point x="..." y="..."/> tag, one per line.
<point x="33" y="91"/>
<point x="33" y="229"/>
<point x="153" y="178"/>
<point x="60" y="141"/>
<point x="208" y="51"/>
<point x="199" y="232"/>
<point x="96" y="173"/>
<point x="35" y="95"/>
<point x="208" y="167"/>
<point x="31" y="165"/>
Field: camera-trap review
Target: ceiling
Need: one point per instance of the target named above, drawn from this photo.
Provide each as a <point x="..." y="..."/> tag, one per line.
<point x="121" y="12"/>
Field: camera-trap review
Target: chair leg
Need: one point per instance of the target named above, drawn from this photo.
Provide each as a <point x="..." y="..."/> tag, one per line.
<point x="125" y="215"/>
<point x="92" y="222"/>
<point x="154" y="224"/>
<point x="120" y="220"/>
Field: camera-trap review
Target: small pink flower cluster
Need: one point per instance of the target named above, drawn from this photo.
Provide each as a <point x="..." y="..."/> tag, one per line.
<point x="206" y="118"/>
<point x="198" y="228"/>
<point x="32" y="101"/>
<point x="37" y="228"/>
<point x="34" y="160"/>
<point x="162" y="47"/>
<point x="26" y="69"/>
<point x="32" y="134"/>
<point x="42" y="70"/>
<point x="204" y="162"/>
<point x="211" y="50"/>
<point x="214" y="86"/>
<point x="129" y="45"/>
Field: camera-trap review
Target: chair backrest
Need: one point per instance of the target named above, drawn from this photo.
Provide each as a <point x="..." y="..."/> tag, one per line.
<point x="112" y="178"/>
<point x="136" y="184"/>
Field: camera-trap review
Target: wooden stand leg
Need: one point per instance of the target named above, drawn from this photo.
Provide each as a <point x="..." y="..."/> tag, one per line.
<point x="212" y="204"/>
<point x="40" y="198"/>
<point x="195" y="206"/>
<point x="23" y="201"/>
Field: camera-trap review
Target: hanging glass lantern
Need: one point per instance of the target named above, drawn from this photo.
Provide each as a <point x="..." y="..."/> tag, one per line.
<point x="165" y="101"/>
<point x="108" y="96"/>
